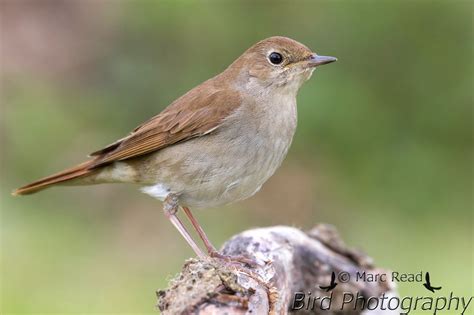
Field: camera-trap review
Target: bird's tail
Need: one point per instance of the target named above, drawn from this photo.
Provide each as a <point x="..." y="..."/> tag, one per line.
<point x="75" y="172"/>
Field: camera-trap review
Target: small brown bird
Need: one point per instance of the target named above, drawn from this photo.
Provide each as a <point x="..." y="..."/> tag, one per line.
<point x="216" y="144"/>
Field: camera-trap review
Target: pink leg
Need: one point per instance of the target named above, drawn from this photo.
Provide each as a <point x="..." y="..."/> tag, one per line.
<point x="210" y="248"/>
<point x="170" y="208"/>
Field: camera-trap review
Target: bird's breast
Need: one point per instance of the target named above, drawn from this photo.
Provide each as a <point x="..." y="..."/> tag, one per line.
<point x="260" y="135"/>
<point x="231" y="163"/>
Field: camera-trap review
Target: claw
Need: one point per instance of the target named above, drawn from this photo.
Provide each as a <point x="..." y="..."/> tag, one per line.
<point x="243" y="260"/>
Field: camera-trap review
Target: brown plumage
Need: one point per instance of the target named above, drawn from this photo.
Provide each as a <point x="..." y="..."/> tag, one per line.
<point x="68" y="174"/>
<point x="196" y="113"/>
<point x="217" y="144"/>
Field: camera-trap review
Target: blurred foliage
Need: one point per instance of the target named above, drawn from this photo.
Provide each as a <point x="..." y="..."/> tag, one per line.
<point x="383" y="148"/>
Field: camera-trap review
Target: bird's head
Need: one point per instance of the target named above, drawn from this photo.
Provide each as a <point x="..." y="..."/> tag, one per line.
<point x="277" y="62"/>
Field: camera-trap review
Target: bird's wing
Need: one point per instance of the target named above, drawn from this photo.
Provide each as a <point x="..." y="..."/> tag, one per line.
<point x="197" y="113"/>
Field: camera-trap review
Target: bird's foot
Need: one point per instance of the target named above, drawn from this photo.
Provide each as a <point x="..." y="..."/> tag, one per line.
<point x="244" y="265"/>
<point x="239" y="260"/>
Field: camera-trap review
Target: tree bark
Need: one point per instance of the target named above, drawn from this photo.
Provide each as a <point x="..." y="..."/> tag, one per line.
<point x="290" y="264"/>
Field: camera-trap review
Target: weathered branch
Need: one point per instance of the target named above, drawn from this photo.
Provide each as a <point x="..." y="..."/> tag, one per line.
<point x="291" y="263"/>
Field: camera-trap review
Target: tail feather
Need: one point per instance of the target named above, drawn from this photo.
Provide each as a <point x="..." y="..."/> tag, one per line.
<point x="66" y="175"/>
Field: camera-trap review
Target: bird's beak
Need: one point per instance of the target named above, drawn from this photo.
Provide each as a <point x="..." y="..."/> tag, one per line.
<point x="316" y="60"/>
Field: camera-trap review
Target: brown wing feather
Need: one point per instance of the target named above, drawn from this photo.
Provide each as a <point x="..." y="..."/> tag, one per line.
<point x="192" y="115"/>
<point x="196" y="113"/>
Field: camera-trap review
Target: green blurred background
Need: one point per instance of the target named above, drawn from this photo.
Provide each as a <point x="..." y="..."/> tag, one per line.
<point x="383" y="148"/>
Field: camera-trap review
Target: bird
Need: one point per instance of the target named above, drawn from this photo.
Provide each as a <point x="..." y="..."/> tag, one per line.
<point x="427" y="284"/>
<point x="332" y="285"/>
<point x="216" y="144"/>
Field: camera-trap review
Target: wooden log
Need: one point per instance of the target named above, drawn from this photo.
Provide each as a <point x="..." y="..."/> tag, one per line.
<point x="292" y="266"/>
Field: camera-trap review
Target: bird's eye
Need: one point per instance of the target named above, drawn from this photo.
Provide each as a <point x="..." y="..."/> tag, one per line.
<point x="275" y="58"/>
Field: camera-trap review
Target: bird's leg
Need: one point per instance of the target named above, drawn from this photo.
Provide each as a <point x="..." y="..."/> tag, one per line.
<point x="211" y="250"/>
<point x="170" y="207"/>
